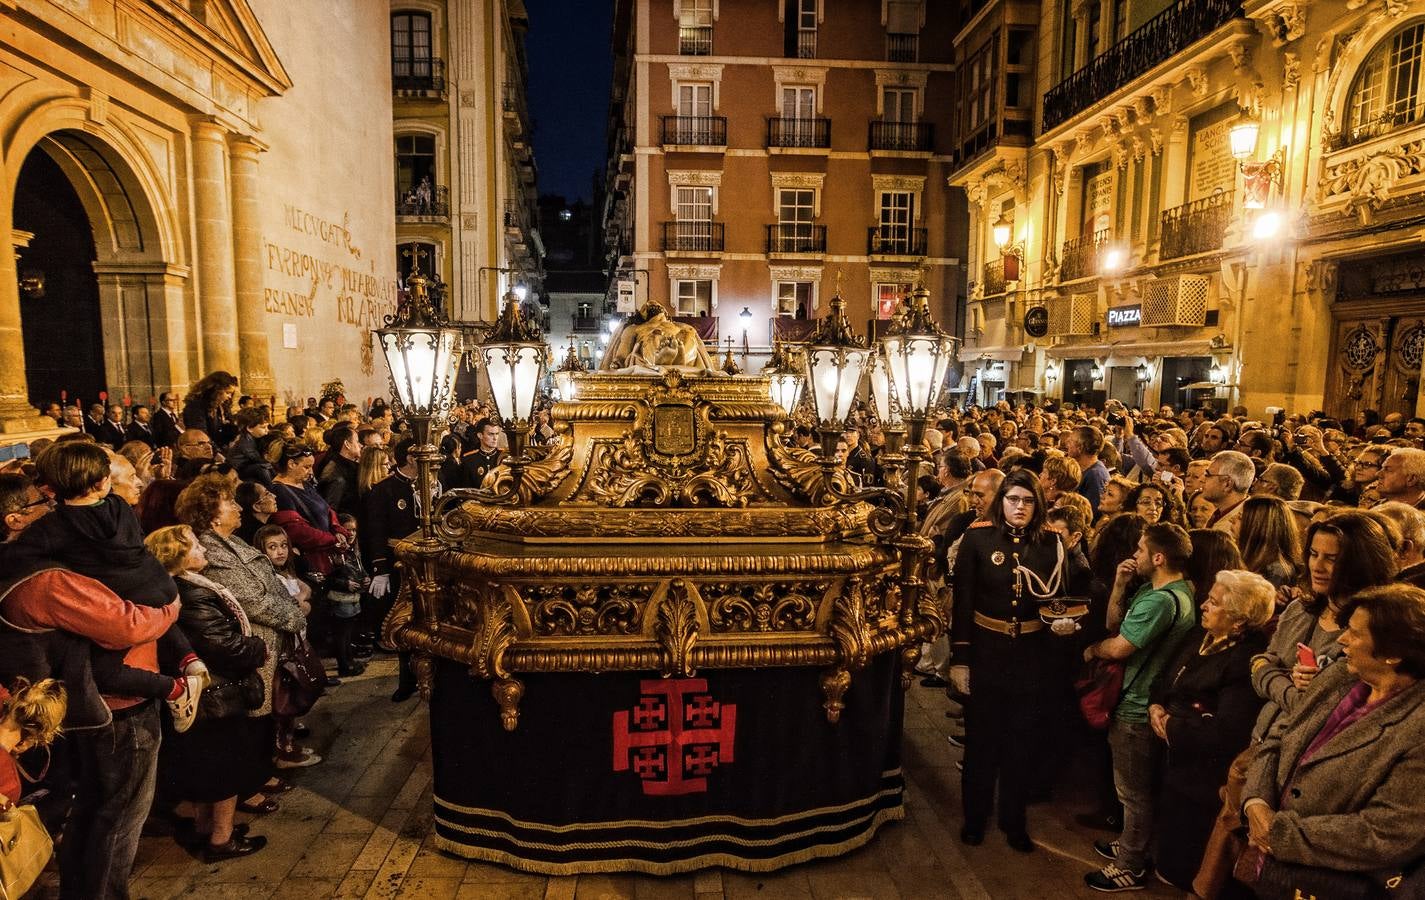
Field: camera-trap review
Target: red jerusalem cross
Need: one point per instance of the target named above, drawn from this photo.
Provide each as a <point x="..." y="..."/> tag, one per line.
<point x="674" y="737"/>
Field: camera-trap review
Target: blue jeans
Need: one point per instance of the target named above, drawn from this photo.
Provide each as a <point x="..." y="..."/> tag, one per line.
<point x="1135" y="752"/>
<point x="117" y="769"/>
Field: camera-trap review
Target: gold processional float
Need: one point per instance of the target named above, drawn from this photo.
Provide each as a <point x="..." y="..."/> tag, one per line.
<point x="666" y="640"/>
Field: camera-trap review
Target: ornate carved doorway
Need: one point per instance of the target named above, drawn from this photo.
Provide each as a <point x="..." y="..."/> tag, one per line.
<point x="1375" y="358"/>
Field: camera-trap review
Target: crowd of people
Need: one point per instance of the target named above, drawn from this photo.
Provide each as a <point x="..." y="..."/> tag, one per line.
<point x="1224" y="617"/>
<point x="178" y="587"/>
<point x="1238" y="602"/>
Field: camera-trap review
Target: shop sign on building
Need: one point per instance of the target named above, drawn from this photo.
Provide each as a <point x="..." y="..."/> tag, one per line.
<point x="1036" y="321"/>
<point x="627" y="303"/>
<point x="1125" y="316"/>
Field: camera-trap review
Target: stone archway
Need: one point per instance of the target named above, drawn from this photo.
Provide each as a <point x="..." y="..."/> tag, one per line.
<point x="130" y="293"/>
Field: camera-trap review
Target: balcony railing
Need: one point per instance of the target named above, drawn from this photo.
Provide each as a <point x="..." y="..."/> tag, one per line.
<point x="424" y="74"/>
<point x="806" y="45"/>
<point x="992" y="277"/>
<point x="796" y="237"/>
<point x="798" y="132"/>
<point x="695" y="40"/>
<point x="1160" y="38"/>
<point x="908" y="136"/>
<point x="902" y="48"/>
<point x="1080" y="256"/>
<point x="515" y="215"/>
<point x="1195" y="227"/>
<point x="695" y="131"/>
<point x="693" y="237"/>
<point x="424" y="202"/>
<point x="1376" y="127"/>
<point x="588" y="324"/>
<point x="895" y="240"/>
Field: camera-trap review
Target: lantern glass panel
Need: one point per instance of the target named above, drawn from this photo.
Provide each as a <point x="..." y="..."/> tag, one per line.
<point x="835" y="373"/>
<point x="917" y="364"/>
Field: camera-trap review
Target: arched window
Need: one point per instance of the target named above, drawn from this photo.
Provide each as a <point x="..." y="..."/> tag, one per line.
<point x="1389" y="90"/>
<point x="410" y="48"/>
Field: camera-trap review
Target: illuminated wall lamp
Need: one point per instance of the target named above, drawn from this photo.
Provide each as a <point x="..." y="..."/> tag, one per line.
<point x="1257" y="177"/>
<point x="1096" y="373"/>
<point x="1051" y="372"/>
<point x="1002" y="231"/>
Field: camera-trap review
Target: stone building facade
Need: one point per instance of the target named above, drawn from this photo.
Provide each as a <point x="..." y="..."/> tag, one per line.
<point x="1145" y="260"/>
<point x="763" y="152"/>
<point x="464" y="157"/>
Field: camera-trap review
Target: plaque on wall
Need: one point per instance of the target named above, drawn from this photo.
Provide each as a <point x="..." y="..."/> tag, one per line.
<point x="1211" y="166"/>
<point x="1036" y="321"/>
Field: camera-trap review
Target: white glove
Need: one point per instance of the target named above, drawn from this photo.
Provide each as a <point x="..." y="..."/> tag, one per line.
<point x="960" y="678"/>
<point x="380" y="586"/>
<point x="196" y="667"/>
<point x="1063" y="627"/>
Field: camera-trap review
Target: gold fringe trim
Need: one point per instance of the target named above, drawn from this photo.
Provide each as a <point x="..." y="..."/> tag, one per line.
<point x="675" y="867"/>
<point x="667" y="823"/>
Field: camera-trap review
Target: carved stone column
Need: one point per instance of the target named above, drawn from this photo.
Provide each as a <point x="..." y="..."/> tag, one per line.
<point x="16" y="413"/>
<point x="255" y="361"/>
<point x="213" y="216"/>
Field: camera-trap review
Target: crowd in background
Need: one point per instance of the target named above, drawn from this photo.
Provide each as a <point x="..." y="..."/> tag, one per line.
<point x="1259" y="579"/>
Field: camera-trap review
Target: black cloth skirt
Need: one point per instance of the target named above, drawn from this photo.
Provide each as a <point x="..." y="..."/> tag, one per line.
<point x="215" y="759"/>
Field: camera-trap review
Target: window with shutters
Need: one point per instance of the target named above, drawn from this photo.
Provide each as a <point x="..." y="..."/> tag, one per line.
<point x="1389" y="90"/>
<point x="888" y="296"/>
<point x="692" y="297"/>
<point x="410" y="45"/>
<point x="795" y="298"/>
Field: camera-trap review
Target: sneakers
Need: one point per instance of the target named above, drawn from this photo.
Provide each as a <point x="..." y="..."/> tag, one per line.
<point x="185" y="707"/>
<point x="1113" y="878"/>
<point x="1107" y="849"/>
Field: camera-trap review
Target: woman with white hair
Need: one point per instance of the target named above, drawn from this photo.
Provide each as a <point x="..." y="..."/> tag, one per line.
<point x="1203" y="708"/>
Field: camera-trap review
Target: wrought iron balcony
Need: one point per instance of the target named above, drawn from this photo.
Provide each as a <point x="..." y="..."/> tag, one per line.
<point x="895" y="240"/>
<point x="424" y="202"/>
<point x="1159" y="39"/>
<point x="1195" y="227"/>
<point x="992" y="277"/>
<point x="695" y="40"/>
<point x="918" y="137"/>
<point x="902" y="48"/>
<point x="1357" y="134"/>
<point x="588" y="324"/>
<point x="695" y="131"/>
<point x="806" y="45"/>
<point x="796" y="237"/>
<point x="516" y="217"/>
<point x="418" y="74"/>
<point x="1079" y="258"/>
<point x="693" y="237"/>
<point x="798" y="132"/>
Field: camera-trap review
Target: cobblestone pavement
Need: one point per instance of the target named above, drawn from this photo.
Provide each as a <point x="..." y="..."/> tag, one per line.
<point x="359" y="825"/>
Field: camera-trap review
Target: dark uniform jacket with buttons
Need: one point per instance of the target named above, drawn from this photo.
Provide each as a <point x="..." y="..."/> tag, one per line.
<point x="984" y="580"/>
<point x="388" y="512"/>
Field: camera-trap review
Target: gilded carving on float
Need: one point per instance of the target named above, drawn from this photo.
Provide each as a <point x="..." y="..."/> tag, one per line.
<point x="668" y="529"/>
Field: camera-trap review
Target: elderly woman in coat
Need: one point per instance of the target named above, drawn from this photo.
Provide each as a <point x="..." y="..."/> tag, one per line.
<point x="1339" y="782"/>
<point x="209" y="507"/>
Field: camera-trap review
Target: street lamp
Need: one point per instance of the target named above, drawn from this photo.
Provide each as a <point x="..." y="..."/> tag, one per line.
<point x="1143" y="372"/>
<point x="564" y="378"/>
<point x="786" y="380"/>
<point x="514" y="357"/>
<point x="1001" y="230"/>
<point x="835" y="359"/>
<point x="420" y="348"/>
<point x="1257" y="177"/>
<point x="1243" y="137"/>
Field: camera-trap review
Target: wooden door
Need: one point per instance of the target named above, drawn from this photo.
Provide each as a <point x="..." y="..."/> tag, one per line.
<point x="1376" y="361"/>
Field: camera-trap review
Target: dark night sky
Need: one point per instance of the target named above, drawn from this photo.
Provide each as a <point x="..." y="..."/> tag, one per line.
<point x="570" y="64"/>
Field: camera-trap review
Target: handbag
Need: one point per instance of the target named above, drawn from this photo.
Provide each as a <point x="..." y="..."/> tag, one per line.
<point x="301" y="678"/>
<point x="25" y="848"/>
<point x="1100" y="684"/>
<point x="226" y="697"/>
<point x="1273" y="879"/>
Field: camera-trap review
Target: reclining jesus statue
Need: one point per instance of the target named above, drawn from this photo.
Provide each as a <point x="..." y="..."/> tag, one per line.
<point x="649" y="342"/>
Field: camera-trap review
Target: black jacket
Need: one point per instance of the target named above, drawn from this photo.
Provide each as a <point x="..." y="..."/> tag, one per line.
<point x="51" y="653"/>
<point x="212" y="421"/>
<point x="249" y="462"/>
<point x="1211" y="707"/>
<point x="140" y="431"/>
<point x="110" y="434"/>
<point x="388" y="512"/>
<point x="213" y="630"/>
<point x="167" y="427"/>
<point x="337" y="483"/>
